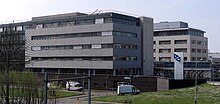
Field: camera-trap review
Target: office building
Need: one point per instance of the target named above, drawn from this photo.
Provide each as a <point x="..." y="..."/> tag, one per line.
<point x="170" y="37"/>
<point x="105" y="43"/>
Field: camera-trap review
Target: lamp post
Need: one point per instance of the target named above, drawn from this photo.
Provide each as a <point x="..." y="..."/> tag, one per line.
<point x="196" y="77"/>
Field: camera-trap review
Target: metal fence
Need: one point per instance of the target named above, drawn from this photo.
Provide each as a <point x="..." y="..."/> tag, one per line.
<point x="21" y="93"/>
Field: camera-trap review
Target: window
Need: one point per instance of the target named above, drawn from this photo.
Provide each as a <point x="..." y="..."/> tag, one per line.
<point x="86" y="46"/>
<point x="193" y="58"/>
<point x="193" y="41"/>
<point x="106" y="33"/>
<point x="39" y="26"/>
<point x="35" y="48"/>
<point x="96" y="46"/>
<point x="180" y="42"/>
<point x="198" y="50"/>
<point x="204" y="51"/>
<point x="164" y="50"/>
<point x="154" y="42"/>
<point x="99" y="21"/>
<point x="199" y="42"/>
<point x="193" y="50"/>
<point x="185" y="58"/>
<point x="1" y="29"/>
<point x="77" y="47"/>
<point x="107" y="46"/>
<point x="165" y="42"/>
<point x="180" y="50"/>
<point x="166" y="59"/>
<point x="19" y="28"/>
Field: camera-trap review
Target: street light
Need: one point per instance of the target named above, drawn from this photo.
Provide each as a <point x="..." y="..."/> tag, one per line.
<point x="196" y="87"/>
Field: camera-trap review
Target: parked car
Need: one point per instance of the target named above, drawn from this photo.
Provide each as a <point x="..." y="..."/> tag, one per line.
<point x="73" y="86"/>
<point x="127" y="89"/>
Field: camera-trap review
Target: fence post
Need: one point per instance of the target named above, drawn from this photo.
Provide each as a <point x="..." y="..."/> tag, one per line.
<point x="45" y="87"/>
<point x="89" y="86"/>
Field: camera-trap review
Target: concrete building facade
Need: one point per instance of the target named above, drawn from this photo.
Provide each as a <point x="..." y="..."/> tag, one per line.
<point x="105" y="43"/>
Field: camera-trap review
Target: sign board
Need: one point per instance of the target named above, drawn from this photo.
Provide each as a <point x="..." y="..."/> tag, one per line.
<point x="178" y="65"/>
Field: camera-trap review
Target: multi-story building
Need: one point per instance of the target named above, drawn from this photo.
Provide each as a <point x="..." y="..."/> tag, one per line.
<point x="105" y="43"/>
<point x="170" y="37"/>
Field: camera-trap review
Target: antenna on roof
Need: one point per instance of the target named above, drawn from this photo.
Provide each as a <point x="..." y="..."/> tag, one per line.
<point x="95" y="11"/>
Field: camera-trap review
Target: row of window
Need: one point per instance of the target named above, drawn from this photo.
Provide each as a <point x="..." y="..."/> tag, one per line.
<point x="167" y="42"/>
<point x="110" y="58"/>
<point x="185" y="64"/>
<point x="198" y="42"/>
<point x="182" y="50"/>
<point x="13" y="28"/>
<point x="169" y="50"/>
<point x="168" y="59"/>
<point x="84" y="46"/>
<point x="84" y="22"/>
<point x="88" y="34"/>
<point x="180" y="32"/>
<point x="199" y="50"/>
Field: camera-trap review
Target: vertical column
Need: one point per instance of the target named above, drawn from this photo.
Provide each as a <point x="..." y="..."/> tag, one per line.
<point x="93" y="71"/>
<point x="58" y="71"/>
<point x="75" y="71"/>
<point x="42" y="70"/>
<point x="114" y="72"/>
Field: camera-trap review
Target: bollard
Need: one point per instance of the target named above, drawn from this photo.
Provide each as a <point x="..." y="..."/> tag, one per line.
<point x="77" y="100"/>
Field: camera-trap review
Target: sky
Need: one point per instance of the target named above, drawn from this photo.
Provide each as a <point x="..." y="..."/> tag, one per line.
<point x="200" y="14"/>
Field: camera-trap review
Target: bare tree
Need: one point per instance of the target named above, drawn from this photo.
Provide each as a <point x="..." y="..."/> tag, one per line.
<point x="12" y="52"/>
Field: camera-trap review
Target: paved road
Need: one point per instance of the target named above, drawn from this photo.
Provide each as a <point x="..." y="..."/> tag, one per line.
<point x="73" y="100"/>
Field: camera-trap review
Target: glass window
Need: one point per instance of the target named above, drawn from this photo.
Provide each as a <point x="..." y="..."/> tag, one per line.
<point x="96" y="46"/>
<point x="39" y="26"/>
<point x="166" y="59"/>
<point x="180" y="42"/>
<point x="77" y="47"/>
<point x="106" y="33"/>
<point x="88" y="46"/>
<point x="198" y="50"/>
<point x="1" y="29"/>
<point x="193" y="50"/>
<point x="99" y="21"/>
<point x="164" y="50"/>
<point x="204" y="51"/>
<point x="193" y="58"/>
<point x="164" y="42"/>
<point x="193" y="41"/>
<point x="199" y="42"/>
<point x="107" y="46"/>
<point x="19" y="28"/>
<point x="180" y="50"/>
<point x="35" y="48"/>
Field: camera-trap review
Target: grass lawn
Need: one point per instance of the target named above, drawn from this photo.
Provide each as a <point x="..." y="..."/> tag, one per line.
<point x="207" y="94"/>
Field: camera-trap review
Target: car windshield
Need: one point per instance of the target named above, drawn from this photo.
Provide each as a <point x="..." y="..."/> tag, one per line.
<point x="78" y="85"/>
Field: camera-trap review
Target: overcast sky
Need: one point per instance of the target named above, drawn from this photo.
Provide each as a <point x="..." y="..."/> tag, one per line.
<point x="200" y="14"/>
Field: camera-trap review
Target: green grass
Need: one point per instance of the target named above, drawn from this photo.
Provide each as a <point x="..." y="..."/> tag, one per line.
<point x="207" y="94"/>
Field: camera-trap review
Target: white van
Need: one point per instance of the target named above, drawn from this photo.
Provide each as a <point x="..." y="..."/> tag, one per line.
<point x="73" y="86"/>
<point x="127" y="89"/>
